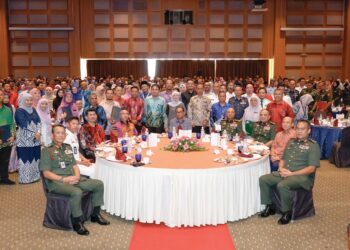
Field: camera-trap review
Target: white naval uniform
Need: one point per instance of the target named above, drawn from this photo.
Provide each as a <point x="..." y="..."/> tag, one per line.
<point x="72" y="139"/>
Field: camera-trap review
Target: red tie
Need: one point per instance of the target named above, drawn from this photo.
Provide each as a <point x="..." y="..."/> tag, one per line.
<point x="179" y="128"/>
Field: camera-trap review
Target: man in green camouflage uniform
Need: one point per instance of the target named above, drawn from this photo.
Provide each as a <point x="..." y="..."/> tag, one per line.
<point x="296" y="170"/>
<point x="264" y="130"/>
<point x="62" y="176"/>
<point x="230" y="124"/>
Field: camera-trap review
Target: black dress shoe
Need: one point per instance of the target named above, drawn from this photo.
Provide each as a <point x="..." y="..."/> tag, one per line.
<point x="99" y="219"/>
<point x="7" y="182"/>
<point x="80" y="229"/>
<point x="269" y="210"/>
<point x="286" y="218"/>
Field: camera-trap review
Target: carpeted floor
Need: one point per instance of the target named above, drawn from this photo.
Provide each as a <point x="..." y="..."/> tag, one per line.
<point x="22" y="209"/>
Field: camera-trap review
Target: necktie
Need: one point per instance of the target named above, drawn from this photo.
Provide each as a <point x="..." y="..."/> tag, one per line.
<point x="261" y="102"/>
<point x="179" y="128"/>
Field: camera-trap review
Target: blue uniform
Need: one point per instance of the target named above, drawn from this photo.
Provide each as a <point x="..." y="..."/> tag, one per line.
<point x="239" y="106"/>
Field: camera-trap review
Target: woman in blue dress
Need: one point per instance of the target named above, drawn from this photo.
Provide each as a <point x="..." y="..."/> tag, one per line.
<point x="27" y="139"/>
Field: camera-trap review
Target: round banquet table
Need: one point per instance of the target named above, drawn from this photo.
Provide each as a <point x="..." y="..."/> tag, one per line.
<point x="182" y="189"/>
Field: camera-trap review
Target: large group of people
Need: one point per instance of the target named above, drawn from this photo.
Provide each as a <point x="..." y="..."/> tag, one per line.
<point x="33" y="113"/>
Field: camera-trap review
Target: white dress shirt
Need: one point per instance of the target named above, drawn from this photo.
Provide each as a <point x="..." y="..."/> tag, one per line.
<point x="72" y="139"/>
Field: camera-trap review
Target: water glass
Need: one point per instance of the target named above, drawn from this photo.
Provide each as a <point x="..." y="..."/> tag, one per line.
<point x="125" y="149"/>
<point x="138" y="157"/>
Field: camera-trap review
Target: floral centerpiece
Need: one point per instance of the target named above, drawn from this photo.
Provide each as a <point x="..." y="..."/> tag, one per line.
<point x="184" y="144"/>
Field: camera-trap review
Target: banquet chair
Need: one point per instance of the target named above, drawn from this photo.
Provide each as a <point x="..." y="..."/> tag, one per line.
<point x="58" y="212"/>
<point x="302" y="203"/>
<point x="340" y="151"/>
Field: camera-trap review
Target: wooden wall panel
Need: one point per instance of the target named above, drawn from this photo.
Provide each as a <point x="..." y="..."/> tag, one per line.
<point x="319" y="52"/>
<point x="74" y="37"/>
<point x="346" y="49"/>
<point x="4" y="41"/>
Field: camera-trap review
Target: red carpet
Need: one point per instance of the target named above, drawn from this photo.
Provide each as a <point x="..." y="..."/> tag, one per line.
<point x="161" y="237"/>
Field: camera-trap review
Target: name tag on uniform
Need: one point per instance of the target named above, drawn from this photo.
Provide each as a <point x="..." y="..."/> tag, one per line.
<point x="243" y="102"/>
<point x="304" y="147"/>
<point x="63" y="164"/>
<point x="75" y="150"/>
<point x="267" y="128"/>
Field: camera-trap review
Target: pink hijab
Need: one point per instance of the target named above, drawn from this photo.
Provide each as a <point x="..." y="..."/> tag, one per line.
<point x="44" y="115"/>
<point x="36" y="98"/>
<point x="72" y="105"/>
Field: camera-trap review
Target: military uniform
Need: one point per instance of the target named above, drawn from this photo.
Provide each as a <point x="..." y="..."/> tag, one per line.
<point x="264" y="131"/>
<point x="60" y="160"/>
<point x="232" y="127"/>
<point x="298" y="155"/>
<point x="239" y="105"/>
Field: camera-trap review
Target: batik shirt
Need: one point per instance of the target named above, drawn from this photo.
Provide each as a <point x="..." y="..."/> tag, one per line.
<point x="135" y="107"/>
<point x="101" y="115"/>
<point x="199" y="110"/>
<point x="90" y="136"/>
<point x="155" y="111"/>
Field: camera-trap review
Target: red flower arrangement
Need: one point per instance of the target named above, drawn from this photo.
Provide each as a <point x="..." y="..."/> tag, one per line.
<point x="184" y="144"/>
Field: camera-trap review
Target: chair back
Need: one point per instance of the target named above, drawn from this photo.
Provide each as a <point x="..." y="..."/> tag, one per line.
<point x="345" y="138"/>
<point x="46" y="189"/>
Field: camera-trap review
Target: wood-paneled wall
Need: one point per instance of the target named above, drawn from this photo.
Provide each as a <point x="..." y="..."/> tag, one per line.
<point x="135" y="29"/>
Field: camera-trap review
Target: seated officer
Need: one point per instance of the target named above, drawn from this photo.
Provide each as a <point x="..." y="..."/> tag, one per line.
<point x="62" y="176"/>
<point x="264" y="130"/>
<point x="230" y="124"/>
<point x="296" y="170"/>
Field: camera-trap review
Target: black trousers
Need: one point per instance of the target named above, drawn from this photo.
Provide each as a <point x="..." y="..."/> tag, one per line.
<point x="156" y="130"/>
<point x="197" y="129"/>
<point x="5" y="154"/>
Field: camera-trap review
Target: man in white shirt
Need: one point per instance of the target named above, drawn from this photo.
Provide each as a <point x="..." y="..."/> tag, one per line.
<point x="208" y="92"/>
<point x="249" y="92"/>
<point x="230" y="90"/>
<point x="85" y="166"/>
<point x="301" y="84"/>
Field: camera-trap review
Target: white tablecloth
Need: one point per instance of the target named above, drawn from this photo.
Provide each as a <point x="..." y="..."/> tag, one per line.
<point x="182" y="197"/>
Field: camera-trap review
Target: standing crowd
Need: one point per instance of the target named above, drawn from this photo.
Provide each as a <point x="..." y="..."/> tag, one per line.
<point x="94" y="110"/>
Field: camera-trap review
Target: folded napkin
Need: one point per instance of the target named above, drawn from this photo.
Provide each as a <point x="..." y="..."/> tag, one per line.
<point x="245" y="155"/>
<point x="119" y="155"/>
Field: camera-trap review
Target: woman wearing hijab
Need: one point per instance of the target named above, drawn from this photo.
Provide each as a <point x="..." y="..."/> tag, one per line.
<point x="49" y="96"/>
<point x="46" y="127"/>
<point x="100" y="91"/>
<point x="170" y="110"/>
<point x="36" y="96"/>
<point x="251" y="115"/>
<point x="301" y="108"/>
<point x="28" y="138"/>
<point x="57" y="101"/>
<point x="67" y="108"/>
<point x="76" y="94"/>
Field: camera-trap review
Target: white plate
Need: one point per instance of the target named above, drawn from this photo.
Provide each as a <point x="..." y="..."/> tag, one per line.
<point x="112" y="158"/>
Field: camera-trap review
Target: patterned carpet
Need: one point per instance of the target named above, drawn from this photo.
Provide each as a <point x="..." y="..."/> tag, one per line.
<point x="22" y="209"/>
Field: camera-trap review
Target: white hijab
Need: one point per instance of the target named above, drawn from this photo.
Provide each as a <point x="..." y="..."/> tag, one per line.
<point x="252" y="113"/>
